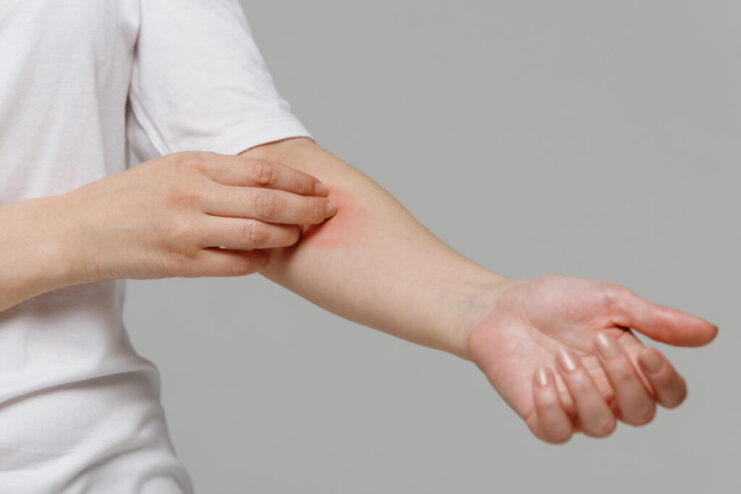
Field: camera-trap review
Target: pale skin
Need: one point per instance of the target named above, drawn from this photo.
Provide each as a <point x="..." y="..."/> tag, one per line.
<point x="560" y="350"/>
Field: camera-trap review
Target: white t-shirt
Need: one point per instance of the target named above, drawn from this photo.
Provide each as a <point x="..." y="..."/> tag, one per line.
<point x="79" y="409"/>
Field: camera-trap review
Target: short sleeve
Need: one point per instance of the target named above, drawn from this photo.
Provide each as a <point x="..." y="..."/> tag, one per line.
<point x="199" y="82"/>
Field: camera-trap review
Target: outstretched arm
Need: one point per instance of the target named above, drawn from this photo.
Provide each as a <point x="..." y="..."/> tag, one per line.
<point x="373" y="263"/>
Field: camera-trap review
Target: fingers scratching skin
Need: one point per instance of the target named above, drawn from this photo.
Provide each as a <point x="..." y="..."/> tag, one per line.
<point x="253" y="172"/>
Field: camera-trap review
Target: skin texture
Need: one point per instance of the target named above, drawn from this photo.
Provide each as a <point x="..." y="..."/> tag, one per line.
<point x="187" y="214"/>
<point x="344" y="228"/>
<point x="536" y="341"/>
<point x="373" y="263"/>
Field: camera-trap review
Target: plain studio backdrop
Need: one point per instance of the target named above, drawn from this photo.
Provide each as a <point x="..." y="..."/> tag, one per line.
<point x="591" y="138"/>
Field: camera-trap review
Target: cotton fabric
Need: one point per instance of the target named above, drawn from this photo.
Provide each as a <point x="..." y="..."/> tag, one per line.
<point x="79" y="408"/>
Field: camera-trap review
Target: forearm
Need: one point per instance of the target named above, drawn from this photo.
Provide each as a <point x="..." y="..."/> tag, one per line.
<point x="34" y="248"/>
<point x="373" y="263"/>
<point x="162" y="218"/>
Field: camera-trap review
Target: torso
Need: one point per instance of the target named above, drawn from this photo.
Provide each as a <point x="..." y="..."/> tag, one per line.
<point x="79" y="408"/>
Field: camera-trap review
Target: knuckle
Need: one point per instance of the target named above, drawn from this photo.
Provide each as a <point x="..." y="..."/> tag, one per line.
<point x="190" y="161"/>
<point x="179" y="230"/>
<point x="616" y="296"/>
<point x="186" y="194"/>
<point x="262" y="173"/>
<point x="253" y="233"/>
<point x="267" y="205"/>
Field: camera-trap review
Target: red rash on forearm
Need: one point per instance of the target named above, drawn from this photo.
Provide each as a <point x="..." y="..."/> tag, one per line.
<point x="341" y="229"/>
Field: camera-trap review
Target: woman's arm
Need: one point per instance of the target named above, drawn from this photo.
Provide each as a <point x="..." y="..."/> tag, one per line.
<point x="167" y="217"/>
<point x="373" y="263"/>
<point x="36" y="248"/>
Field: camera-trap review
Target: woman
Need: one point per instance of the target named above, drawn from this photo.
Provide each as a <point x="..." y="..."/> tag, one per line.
<point x="233" y="184"/>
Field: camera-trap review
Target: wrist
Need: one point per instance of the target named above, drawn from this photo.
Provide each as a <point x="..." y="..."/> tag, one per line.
<point x="71" y="242"/>
<point x="473" y="302"/>
<point x="57" y="244"/>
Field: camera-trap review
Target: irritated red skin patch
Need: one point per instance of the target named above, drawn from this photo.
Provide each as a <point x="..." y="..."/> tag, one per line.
<point x="340" y="229"/>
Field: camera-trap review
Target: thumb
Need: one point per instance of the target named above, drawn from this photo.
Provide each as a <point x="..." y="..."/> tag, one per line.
<point x="659" y="322"/>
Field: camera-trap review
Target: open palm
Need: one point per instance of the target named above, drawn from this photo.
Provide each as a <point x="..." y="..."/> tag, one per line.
<point x="561" y="352"/>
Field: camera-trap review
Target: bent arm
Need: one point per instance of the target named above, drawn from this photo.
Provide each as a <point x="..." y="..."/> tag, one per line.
<point x="373" y="262"/>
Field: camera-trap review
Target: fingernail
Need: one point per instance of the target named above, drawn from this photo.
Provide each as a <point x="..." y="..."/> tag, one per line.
<point x="607" y="346"/>
<point x="541" y="377"/>
<point x="330" y="208"/>
<point x="320" y="189"/>
<point x="649" y="361"/>
<point x="566" y="360"/>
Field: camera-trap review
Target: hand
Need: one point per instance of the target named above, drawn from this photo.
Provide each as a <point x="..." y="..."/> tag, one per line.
<point x="190" y="214"/>
<point x="560" y="352"/>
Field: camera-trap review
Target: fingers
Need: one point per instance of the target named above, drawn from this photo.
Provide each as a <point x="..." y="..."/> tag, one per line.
<point x="244" y="234"/>
<point x="595" y="416"/>
<point x="634" y="403"/>
<point x="223" y="262"/>
<point x="636" y="406"/>
<point x="251" y="172"/>
<point x="273" y="206"/>
<point x="657" y="321"/>
<point x="668" y="385"/>
<point x="554" y="425"/>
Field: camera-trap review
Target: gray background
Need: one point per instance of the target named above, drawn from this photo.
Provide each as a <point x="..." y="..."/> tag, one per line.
<point x="593" y="138"/>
